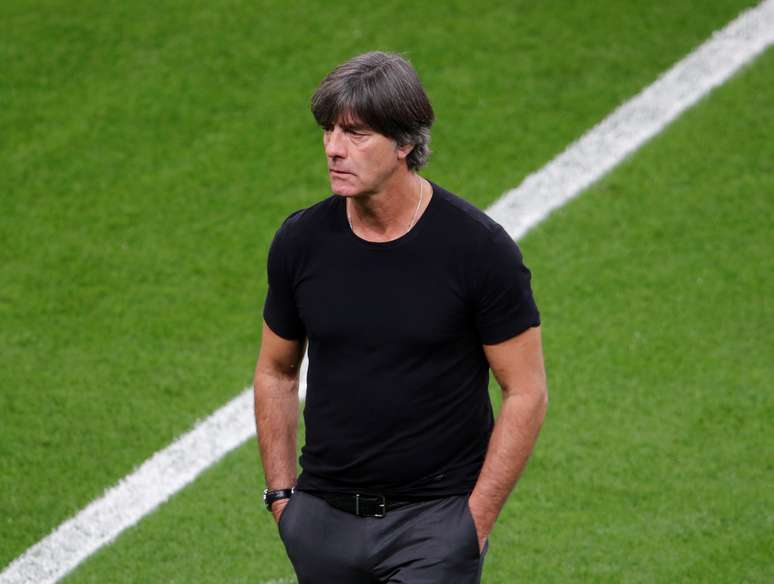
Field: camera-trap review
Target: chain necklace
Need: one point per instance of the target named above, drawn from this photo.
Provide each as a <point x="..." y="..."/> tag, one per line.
<point x="413" y="218"/>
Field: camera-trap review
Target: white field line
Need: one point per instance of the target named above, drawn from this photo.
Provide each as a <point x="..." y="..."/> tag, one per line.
<point x="582" y="163"/>
<point x="123" y="505"/>
<point x="636" y="121"/>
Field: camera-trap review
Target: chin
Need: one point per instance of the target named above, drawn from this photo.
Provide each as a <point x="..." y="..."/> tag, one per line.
<point x="343" y="190"/>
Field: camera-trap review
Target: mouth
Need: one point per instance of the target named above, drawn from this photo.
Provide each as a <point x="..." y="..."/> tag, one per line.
<point x="335" y="172"/>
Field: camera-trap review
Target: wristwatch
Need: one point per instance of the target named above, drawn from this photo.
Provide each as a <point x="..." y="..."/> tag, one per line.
<point x="275" y="495"/>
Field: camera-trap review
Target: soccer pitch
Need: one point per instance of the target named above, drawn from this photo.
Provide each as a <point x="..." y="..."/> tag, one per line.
<point x="150" y="155"/>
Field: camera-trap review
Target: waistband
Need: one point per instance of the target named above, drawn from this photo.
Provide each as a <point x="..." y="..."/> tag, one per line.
<point x="367" y="504"/>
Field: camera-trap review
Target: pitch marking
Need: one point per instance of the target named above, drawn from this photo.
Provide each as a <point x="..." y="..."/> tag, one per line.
<point x="518" y="210"/>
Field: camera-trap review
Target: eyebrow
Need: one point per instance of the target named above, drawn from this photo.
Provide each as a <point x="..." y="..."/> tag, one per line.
<point x="353" y="126"/>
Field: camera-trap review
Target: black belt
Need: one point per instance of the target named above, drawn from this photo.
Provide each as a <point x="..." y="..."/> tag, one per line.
<point x="364" y="505"/>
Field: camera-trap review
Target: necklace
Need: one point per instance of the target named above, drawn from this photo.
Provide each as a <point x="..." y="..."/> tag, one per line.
<point x="413" y="217"/>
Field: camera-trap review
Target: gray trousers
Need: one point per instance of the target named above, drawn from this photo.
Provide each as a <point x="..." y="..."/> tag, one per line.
<point x="428" y="542"/>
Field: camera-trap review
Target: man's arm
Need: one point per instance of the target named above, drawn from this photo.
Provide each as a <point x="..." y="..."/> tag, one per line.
<point x="518" y="367"/>
<point x="275" y="387"/>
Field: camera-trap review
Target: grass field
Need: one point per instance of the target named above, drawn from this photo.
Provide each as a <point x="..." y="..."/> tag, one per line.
<point x="150" y="150"/>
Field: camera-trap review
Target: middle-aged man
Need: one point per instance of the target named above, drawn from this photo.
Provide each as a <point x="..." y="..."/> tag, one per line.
<point x="407" y="295"/>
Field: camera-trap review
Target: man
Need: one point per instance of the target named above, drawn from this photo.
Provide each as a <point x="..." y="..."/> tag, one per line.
<point x="406" y="295"/>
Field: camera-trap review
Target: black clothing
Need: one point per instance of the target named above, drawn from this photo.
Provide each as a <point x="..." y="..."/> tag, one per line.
<point x="397" y="400"/>
<point x="430" y="542"/>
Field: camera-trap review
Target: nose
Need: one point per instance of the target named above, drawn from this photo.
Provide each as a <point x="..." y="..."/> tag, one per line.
<point x="334" y="142"/>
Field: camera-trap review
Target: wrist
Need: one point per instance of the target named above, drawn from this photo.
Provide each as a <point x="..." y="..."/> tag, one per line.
<point x="270" y="496"/>
<point x="484" y="515"/>
<point x="278" y="505"/>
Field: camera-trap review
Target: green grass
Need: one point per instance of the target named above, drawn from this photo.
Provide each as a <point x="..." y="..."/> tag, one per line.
<point x="657" y="325"/>
<point x="658" y="335"/>
<point x="150" y="150"/>
<point x="657" y="328"/>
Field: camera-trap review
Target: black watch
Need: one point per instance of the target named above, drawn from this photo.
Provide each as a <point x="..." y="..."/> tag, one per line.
<point x="270" y="496"/>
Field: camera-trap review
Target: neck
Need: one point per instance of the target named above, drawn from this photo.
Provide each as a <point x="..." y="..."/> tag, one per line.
<point x="387" y="213"/>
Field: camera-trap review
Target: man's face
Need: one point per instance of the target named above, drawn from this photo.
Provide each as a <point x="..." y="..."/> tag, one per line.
<point x="360" y="160"/>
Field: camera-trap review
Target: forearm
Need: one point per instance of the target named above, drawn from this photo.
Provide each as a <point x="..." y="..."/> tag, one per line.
<point x="276" y="418"/>
<point x="510" y="445"/>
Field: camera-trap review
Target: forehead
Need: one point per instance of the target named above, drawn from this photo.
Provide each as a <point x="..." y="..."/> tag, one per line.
<point x="350" y="121"/>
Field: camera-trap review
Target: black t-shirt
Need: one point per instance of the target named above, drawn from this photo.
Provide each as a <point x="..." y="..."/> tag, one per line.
<point x="397" y="400"/>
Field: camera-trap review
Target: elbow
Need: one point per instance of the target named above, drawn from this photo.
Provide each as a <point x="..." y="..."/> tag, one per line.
<point x="539" y="397"/>
<point x="271" y="383"/>
<point x="543" y="403"/>
<point x="534" y="396"/>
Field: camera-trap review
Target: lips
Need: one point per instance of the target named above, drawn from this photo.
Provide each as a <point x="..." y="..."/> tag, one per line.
<point x="335" y="171"/>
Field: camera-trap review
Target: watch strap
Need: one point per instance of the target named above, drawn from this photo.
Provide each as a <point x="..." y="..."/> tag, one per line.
<point x="270" y="497"/>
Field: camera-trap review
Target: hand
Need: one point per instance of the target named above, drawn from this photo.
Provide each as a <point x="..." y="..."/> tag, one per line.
<point x="277" y="508"/>
<point x="483" y="527"/>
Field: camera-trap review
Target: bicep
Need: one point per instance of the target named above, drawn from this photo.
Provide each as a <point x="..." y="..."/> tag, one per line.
<point x="517" y="363"/>
<point x="280" y="309"/>
<point x="279" y="356"/>
<point x="503" y="302"/>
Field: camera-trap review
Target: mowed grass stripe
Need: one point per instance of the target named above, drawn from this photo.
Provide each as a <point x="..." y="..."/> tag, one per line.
<point x="636" y="121"/>
<point x="172" y="469"/>
<point x="149" y="154"/>
<point x="653" y="290"/>
<point x="658" y="335"/>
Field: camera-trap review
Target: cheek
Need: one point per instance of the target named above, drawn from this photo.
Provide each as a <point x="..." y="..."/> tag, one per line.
<point x="378" y="158"/>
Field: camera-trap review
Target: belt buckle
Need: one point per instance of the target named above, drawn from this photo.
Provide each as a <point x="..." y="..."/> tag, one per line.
<point x="380" y="500"/>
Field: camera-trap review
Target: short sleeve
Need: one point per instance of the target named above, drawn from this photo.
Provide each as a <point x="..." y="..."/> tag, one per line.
<point x="280" y="310"/>
<point x="504" y="305"/>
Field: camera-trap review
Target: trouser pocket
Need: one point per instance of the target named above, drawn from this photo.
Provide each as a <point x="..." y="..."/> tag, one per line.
<point x="285" y="518"/>
<point x="470" y="529"/>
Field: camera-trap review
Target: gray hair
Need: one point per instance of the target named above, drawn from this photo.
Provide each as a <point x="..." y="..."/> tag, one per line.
<point x="383" y="91"/>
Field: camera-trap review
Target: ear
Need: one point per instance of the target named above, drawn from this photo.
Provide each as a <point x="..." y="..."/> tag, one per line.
<point x="404" y="151"/>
